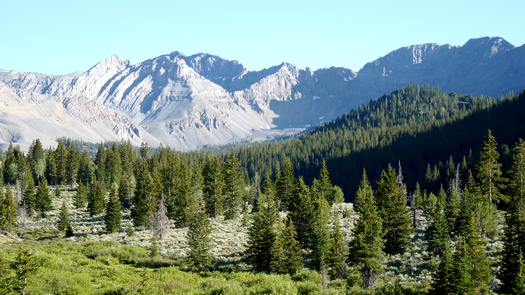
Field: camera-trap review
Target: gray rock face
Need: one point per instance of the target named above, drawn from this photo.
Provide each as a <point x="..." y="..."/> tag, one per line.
<point x="191" y="101"/>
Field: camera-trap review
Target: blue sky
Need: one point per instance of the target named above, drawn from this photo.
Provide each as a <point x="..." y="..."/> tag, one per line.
<point x="59" y="37"/>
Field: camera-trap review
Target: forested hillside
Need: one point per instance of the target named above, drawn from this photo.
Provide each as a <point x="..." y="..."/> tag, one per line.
<point x="414" y="126"/>
<point x="431" y="172"/>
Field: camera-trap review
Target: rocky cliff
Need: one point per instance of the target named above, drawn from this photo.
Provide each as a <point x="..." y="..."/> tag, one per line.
<point x="191" y="101"/>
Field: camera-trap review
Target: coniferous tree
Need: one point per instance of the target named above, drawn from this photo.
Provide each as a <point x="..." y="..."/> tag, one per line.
<point x="451" y="210"/>
<point x="142" y="196"/>
<point x="212" y="186"/>
<point x="113" y="216"/>
<point x="69" y="231"/>
<point x="10" y="169"/>
<point x="80" y="198"/>
<point x="519" y="280"/>
<point x="43" y="198"/>
<point x="125" y="190"/>
<point x="320" y="238"/>
<point x="100" y="164"/>
<point x="301" y="211"/>
<point x="437" y="234"/>
<point x="285" y="184"/>
<point x="199" y="229"/>
<point x="489" y="171"/>
<point x="37" y="161"/>
<point x="8" y="211"/>
<point x="96" y="202"/>
<point x="325" y="185"/>
<point x="113" y="164"/>
<point x="85" y="172"/>
<point x="391" y="203"/>
<point x="366" y="249"/>
<point x="261" y="234"/>
<point x="57" y="192"/>
<point x="233" y="186"/>
<point x="29" y="200"/>
<point x="338" y="251"/>
<point x="71" y="171"/>
<point x="514" y="238"/>
<point x="63" y="218"/>
<point x="481" y="272"/>
<point x="60" y="155"/>
<point x="462" y="270"/>
<point x="50" y="173"/>
<point x="443" y="279"/>
<point x="285" y="251"/>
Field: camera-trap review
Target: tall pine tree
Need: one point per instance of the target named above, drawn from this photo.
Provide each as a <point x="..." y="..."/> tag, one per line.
<point x="285" y="251"/>
<point x="391" y="203"/>
<point x="96" y="202"/>
<point x="233" y="186"/>
<point x="366" y="249"/>
<point x="8" y="211"/>
<point x="113" y="216"/>
<point x="262" y="234"/>
<point x="514" y="238"/>
<point x="489" y="171"/>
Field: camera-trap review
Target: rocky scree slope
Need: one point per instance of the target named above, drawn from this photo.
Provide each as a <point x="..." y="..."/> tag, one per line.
<point x="188" y="102"/>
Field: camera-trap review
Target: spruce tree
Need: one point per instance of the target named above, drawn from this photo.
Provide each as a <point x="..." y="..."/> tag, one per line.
<point x="285" y="251"/>
<point x="50" y="173"/>
<point x="85" y="172"/>
<point x="514" y="238"/>
<point x="8" y="211"/>
<point x="320" y="238"/>
<point x="437" y="234"/>
<point x="452" y="207"/>
<point x="301" y="211"/>
<point x="366" y="249"/>
<point x="338" y="251"/>
<point x="443" y="279"/>
<point x="80" y="197"/>
<point x="63" y="218"/>
<point x="71" y="171"/>
<point x="96" y="202"/>
<point x="36" y="160"/>
<point x="489" y="171"/>
<point x="100" y="164"/>
<point x="29" y="200"/>
<point x="142" y="196"/>
<point x="233" y="186"/>
<point x="212" y="186"/>
<point x="285" y="184"/>
<point x="261" y="234"/>
<point x="57" y="192"/>
<point x="325" y="185"/>
<point x="43" y="198"/>
<point x="392" y="208"/>
<point x="61" y="161"/>
<point x="519" y="280"/>
<point x="125" y="190"/>
<point x="198" y="236"/>
<point x="462" y="270"/>
<point x="113" y="216"/>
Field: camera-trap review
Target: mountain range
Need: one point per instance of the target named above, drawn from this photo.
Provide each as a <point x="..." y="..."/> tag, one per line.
<point x="188" y="102"/>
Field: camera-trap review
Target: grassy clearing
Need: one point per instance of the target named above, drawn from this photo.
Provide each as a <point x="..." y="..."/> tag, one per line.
<point x="94" y="262"/>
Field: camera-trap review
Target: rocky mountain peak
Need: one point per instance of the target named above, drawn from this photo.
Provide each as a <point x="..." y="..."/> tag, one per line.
<point x="191" y="101"/>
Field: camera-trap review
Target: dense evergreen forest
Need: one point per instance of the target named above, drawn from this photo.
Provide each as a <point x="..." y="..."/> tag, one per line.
<point x="430" y="176"/>
<point x="420" y="127"/>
